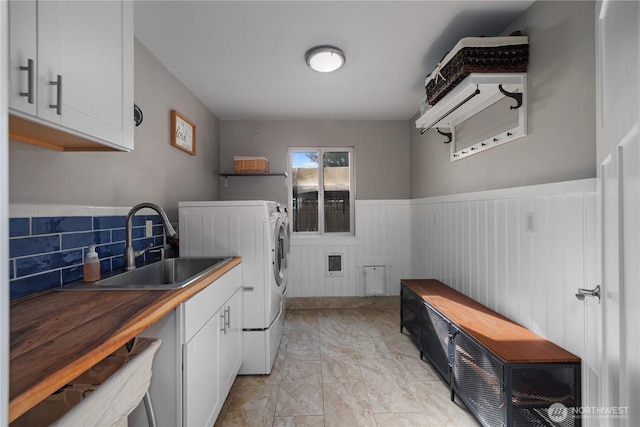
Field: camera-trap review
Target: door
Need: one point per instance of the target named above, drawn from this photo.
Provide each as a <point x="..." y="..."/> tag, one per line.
<point x="93" y="88"/>
<point x="4" y="217"/>
<point x="200" y="374"/>
<point x="616" y="375"/>
<point x="22" y="56"/>
<point x="230" y="343"/>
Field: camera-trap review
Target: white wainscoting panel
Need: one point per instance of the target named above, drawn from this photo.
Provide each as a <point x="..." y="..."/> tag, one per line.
<point x="308" y="268"/>
<point x="523" y="252"/>
<point x="383" y="232"/>
<point x="382" y="238"/>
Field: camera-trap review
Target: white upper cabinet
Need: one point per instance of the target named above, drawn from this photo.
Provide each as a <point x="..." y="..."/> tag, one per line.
<point x="22" y="57"/>
<point x="80" y="91"/>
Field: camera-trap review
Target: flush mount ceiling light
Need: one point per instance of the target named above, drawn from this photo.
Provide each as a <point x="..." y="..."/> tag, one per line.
<point x="325" y="59"/>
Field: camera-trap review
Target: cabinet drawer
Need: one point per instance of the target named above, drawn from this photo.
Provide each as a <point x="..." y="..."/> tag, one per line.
<point x="197" y="310"/>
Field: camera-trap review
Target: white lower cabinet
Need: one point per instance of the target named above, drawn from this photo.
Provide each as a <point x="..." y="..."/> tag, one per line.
<point x="231" y="345"/>
<point x="200" y="356"/>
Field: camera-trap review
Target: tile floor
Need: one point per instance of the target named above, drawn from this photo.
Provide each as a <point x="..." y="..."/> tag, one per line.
<point x="344" y="367"/>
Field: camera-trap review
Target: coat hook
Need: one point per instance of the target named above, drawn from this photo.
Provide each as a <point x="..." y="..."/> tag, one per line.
<point x="448" y="135"/>
<point x="137" y="115"/>
<point x="516" y="96"/>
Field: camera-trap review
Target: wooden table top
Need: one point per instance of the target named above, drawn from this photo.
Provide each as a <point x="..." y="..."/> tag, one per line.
<point x="56" y="336"/>
<point x="509" y="341"/>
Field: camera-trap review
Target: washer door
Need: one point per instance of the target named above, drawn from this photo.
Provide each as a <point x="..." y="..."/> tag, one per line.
<point x="279" y="252"/>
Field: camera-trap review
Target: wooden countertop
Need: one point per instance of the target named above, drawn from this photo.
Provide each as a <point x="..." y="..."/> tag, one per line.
<point x="506" y="339"/>
<point x="56" y="336"/>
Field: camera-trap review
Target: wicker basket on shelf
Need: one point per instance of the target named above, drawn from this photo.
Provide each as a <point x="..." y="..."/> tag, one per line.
<point x="250" y="164"/>
<point x="477" y="55"/>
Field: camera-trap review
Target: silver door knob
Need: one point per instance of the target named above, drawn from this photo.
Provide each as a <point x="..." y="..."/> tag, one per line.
<point x="595" y="292"/>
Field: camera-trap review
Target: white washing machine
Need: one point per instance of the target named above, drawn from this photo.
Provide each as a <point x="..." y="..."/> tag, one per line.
<point x="254" y="230"/>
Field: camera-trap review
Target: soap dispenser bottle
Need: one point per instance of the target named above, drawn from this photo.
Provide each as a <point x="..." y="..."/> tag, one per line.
<point x="91" y="265"/>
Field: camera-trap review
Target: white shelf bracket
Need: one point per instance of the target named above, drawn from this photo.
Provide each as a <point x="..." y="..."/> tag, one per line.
<point x="475" y="93"/>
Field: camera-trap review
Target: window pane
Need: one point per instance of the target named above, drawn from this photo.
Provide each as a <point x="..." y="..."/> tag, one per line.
<point x="337" y="196"/>
<point x="305" y="190"/>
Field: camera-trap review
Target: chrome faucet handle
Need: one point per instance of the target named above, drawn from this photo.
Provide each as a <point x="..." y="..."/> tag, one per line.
<point x="142" y="251"/>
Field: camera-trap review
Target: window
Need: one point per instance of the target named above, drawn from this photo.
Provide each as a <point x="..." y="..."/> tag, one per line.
<point x="321" y="190"/>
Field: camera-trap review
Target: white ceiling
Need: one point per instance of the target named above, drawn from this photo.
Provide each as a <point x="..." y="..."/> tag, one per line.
<point x="245" y="59"/>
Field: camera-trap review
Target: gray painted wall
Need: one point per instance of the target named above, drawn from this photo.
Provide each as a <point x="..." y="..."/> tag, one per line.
<point x="560" y="144"/>
<point x="381" y="151"/>
<point x="393" y="161"/>
<point x="155" y="171"/>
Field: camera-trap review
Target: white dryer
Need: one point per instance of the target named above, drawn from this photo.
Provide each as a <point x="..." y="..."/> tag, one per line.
<point x="254" y="230"/>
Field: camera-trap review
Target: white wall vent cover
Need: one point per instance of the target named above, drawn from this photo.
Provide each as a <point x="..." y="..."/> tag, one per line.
<point x="334" y="264"/>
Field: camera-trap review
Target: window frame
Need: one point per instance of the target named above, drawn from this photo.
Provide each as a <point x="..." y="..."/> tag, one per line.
<point x="321" y="201"/>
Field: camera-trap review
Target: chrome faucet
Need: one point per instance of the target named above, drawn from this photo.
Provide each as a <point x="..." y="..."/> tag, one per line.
<point x="129" y="254"/>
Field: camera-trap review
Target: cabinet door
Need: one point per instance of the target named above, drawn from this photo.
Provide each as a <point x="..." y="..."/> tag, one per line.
<point x="22" y="52"/>
<point x="434" y="339"/>
<point x="201" y="399"/>
<point x="477" y="379"/>
<point x="89" y="46"/>
<point x="410" y="320"/>
<point x="231" y="343"/>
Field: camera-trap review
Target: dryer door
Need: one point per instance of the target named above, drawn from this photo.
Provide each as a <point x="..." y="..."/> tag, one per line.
<point x="279" y="252"/>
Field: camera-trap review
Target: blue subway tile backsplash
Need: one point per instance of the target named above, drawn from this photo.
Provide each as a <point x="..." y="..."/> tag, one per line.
<point x="64" y="224"/>
<point x="18" y="227"/>
<point x="32" y="284"/>
<point x="45" y="252"/>
<point x="39" y="263"/>
<point x="33" y="245"/>
<point x="79" y="240"/>
<point x="102" y="222"/>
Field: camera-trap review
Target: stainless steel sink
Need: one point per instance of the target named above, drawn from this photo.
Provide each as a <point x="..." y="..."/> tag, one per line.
<point x="172" y="273"/>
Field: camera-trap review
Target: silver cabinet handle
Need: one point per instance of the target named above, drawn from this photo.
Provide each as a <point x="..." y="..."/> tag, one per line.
<point x="223" y="318"/>
<point x="595" y="292"/>
<point x="29" y="69"/>
<point x="226" y="319"/>
<point x="58" y="105"/>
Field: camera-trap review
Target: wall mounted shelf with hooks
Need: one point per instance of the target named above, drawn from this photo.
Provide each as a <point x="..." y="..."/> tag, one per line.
<point x="475" y="93"/>
<point x="226" y="175"/>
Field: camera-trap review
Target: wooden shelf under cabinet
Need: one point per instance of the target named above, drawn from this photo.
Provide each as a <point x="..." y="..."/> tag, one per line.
<point x="24" y="130"/>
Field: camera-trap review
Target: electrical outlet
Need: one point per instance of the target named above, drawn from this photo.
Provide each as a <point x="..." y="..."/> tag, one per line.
<point x="530" y="222"/>
<point x="149" y="228"/>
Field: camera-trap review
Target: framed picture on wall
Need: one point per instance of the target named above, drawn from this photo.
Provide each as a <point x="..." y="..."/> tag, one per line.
<point x="183" y="133"/>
